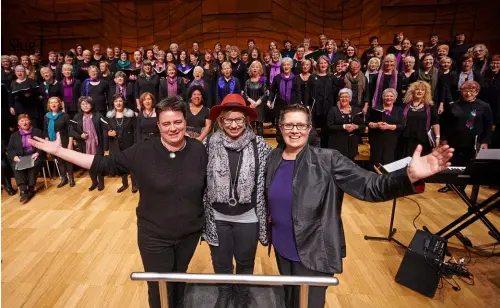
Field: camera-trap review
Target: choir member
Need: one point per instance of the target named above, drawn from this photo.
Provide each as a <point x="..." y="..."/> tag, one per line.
<point x="193" y="59"/>
<point x="8" y="120"/>
<point x="369" y="53"/>
<point x="31" y="72"/>
<point x="273" y="46"/>
<point x="255" y="92"/>
<point x="150" y="56"/>
<point x="211" y="74"/>
<point x="480" y="53"/>
<point x="110" y="56"/>
<point x="19" y="148"/>
<point x="69" y="58"/>
<point x="52" y="64"/>
<point x="174" y="48"/>
<point x="147" y="124"/>
<point x="429" y="73"/>
<point x="199" y="124"/>
<point x="446" y="78"/>
<point x="122" y="63"/>
<point x="116" y="53"/>
<point x="160" y="66"/>
<point x="196" y="47"/>
<point x="221" y="58"/>
<point x="387" y="78"/>
<point x="136" y="65"/>
<point x="184" y="68"/>
<point x="239" y="69"/>
<point x="331" y="52"/>
<point x="170" y="173"/>
<point x="14" y="60"/>
<point x="104" y="72"/>
<point x="442" y="51"/>
<point x="339" y="71"/>
<point x="344" y="43"/>
<point x="235" y="205"/>
<point x="406" y="76"/>
<point x="227" y="50"/>
<point x="227" y="83"/>
<point x="50" y="87"/>
<point x="126" y="89"/>
<point x="60" y="57"/>
<point x="420" y="118"/>
<point x="459" y="48"/>
<point x="244" y="58"/>
<point x="378" y="52"/>
<point x="406" y="51"/>
<point x="467" y="73"/>
<point x="285" y="90"/>
<point x="307" y="46"/>
<point x="385" y="126"/>
<point x="85" y="64"/>
<point x="305" y="82"/>
<point x="491" y="95"/>
<point x="172" y="85"/>
<point x="56" y="121"/>
<point x="79" y="52"/>
<point x="345" y="123"/>
<point x="299" y="58"/>
<point x="251" y="44"/>
<point x="121" y="134"/>
<point x="322" y="43"/>
<point x="350" y="53"/>
<point x="26" y="97"/>
<point x="288" y="51"/>
<point x="217" y="48"/>
<point x="35" y="61"/>
<point x="266" y="62"/>
<point x="372" y="73"/>
<point x="97" y="56"/>
<point x="397" y="43"/>
<point x="147" y="81"/>
<point x="358" y="84"/>
<point x="71" y="90"/>
<point x="471" y="124"/>
<point x="274" y="66"/>
<point x="87" y="130"/>
<point x="170" y="58"/>
<point x="433" y="45"/>
<point x="97" y="89"/>
<point x="305" y="186"/>
<point x="7" y="172"/>
<point x="200" y="81"/>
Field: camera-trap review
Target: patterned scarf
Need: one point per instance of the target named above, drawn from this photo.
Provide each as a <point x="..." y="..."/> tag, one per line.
<point x="380" y="84"/>
<point x="222" y="86"/>
<point x="68" y="91"/>
<point x="52" y="120"/>
<point x="275" y="70"/>
<point x="25" y="136"/>
<point x="172" y="86"/>
<point x="360" y="81"/>
<point x="399" y="57"/>
<point x="92" y="141"/>
<point x="219" y="174"/>
<point x="470" y="119"/>
<point x="286" y="87"/>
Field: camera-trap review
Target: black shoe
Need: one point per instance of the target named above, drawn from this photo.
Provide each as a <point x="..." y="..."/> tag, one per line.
<point x="122" y="189"/>
<point x="24" y="196"/>
<point x="242" y="296"/>
<point x="444" y="189"/>
<point x="71" y="181"/>
<point x="100" y="186"/>
<point x="224" y="297"/>
<point x="135" y="189"/>
<point x="10" y="190"/>
<point x="93" y="186"/>
<point x="63" y="182"/>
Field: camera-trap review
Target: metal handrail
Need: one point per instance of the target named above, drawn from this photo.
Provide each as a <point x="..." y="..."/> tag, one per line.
<point x="303" y="281"/>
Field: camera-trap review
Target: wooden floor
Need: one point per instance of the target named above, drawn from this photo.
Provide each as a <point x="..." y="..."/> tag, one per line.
<point x="72" y="248"/>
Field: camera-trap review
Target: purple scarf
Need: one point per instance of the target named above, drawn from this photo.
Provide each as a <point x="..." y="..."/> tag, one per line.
<point x="398" y="58"/>
<point x="200" y="83"/>
<point x="275" y="70"/>
<point x="286" y="87"/>
<point x="25" y="136"/>
<point x="427" y="113"/>
<point x="91" y="142"/>
<point x="121" y="90"/>
<point x="172" y="86"/>
<point x="380" y="84"/>
<point x="68" y="91"/>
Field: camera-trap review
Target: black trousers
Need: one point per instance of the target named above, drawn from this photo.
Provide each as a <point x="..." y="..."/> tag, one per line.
<point x="27" y="177"/>
<point x="259" y="126"/>
<point x="165" y="256"/>
<point x="96" y="178"/>
<point x="320" y="122"/>
<point x="292" y="293"/>
<point x="125" y="180"/>
<point x="65" y="167"/>
<point x="6" y="172"/>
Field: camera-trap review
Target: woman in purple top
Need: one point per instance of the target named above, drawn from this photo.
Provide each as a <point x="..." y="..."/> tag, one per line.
<point x="305" y="186"/>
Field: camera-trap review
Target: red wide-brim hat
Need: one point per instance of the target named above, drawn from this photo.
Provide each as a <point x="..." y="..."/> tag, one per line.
<point x="233" y="101"/>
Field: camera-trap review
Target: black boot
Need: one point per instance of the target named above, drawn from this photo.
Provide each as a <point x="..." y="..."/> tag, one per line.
<point x="71" y="180"/>
<point x="224" y="297"/>
<point x="10" y="190"/>
<point x="24" y="196"/>
<point x="93" y="186"/>
<point x="444" y="189"/>
<point x="242" y="296"/>
<point x="122" y="189"/>
<point x="100" y="185"/>
<point x="135" y="188"/>
<point x="64" y="181"/>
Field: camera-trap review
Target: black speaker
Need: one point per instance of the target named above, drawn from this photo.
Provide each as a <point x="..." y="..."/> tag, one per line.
<point x="419" y="269"/>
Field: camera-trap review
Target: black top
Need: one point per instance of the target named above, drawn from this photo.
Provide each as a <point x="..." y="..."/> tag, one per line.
<point x="404" y="83"/>
<point x="457" y="51"/>
<point x="84" y="74"/>
<point x="341" y="140"/>
<point x="129" y="97"/>
<point x="75" y="88"/>
<point x="305" y="90"/>
<point x="239" y="71"/>
<point x="147" y="127"/>
<point x="98" y="93"/>
<point x="196" y="122"/>
<point x="274" y="92"/>
<point x="415" y="127"/>
<point x="322" y="93"/>
<point x="125" y="131"/>
<point x="77" y="131"/>
<point x="22" y="104"/>
<point x="490" y="93"/>
<point x="355" y="89"/>
<point x="171" y="189"/>
<point x="62" y="125"/>
<point x="50" y="90"/>
<point x="149" y="84"/>
<point x="163" y="88"/>
<point x="297" y="67"/>
<point x="220" y="92"/>
<point x="447" y="88"/>
<point x="77" y="72"/>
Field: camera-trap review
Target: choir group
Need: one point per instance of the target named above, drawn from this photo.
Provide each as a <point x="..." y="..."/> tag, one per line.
<point x="93" y="103"/>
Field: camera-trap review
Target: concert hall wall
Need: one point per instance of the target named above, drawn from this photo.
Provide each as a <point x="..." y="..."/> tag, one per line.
<point x="60" y="24"/>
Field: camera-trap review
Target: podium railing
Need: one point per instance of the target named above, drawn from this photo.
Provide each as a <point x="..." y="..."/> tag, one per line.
<point x="303" y="281"/>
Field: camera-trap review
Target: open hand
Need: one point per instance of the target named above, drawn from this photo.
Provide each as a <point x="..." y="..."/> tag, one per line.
<point x="422" y="167"/>
<point x="50" y="147"/>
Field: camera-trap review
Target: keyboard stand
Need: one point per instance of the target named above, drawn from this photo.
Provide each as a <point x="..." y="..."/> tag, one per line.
<point x="392" y="231"/>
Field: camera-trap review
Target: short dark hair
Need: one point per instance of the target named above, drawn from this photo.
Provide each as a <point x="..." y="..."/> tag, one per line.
<point x="251" y="40"/>
<point x="244" y="51"/>
<point x="196" y="88"/>
<point x="295" y="108"/>
<point x="434" y="34"/>
<point x="117" y="96"/>
<point x="87" y="99"/>
<point x="69" y="54"/>
<point x="287" y="41"/>
<point x="171" y="103"/>
<point x="372" y="38"/>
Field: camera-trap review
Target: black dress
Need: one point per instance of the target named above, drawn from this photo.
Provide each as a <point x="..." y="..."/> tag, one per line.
<point x="210" y="77"/>
<point x="239" y="71"/>
<point x="31" y="105"/>
<point x="404" y="83"/>
<point x="196" y="122"/>
<point x="8" y="120"/>
<point x="305" y="90"/>
<point x="321" y="100"/>
<point x="383" y="144"/>
<point x="98" y="93"/>
<point x="415" y="131"/>
<point x="257" y="90"/>
<point x="147" y="127"/>
<point x="340" y="139"/>
<point x="149" y="84"/>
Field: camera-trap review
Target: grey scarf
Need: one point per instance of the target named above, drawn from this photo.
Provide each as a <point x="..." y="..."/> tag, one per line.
<point x="218" y="173"/>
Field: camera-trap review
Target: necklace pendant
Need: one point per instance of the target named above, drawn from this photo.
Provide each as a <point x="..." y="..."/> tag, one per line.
<point x="232" y="201"/>
<point x="172" y="155"/>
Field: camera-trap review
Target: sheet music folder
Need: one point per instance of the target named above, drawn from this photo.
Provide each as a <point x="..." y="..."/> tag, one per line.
<point x="25" y="162"/>
<point x="394" y="166"/>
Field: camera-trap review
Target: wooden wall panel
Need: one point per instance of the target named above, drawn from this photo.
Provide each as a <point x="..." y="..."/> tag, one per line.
<point x="60" y="24"/>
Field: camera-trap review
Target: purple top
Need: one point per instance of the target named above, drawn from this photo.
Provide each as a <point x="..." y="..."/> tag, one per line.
<point x="280" y="206"/>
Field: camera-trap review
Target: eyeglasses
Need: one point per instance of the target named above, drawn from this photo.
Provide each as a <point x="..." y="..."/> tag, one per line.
<point x="238" y="121"/>
<point x="290" y="126"/>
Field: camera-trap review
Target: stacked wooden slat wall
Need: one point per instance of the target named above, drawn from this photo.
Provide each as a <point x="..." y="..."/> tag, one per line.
<point x="60" y="24"/>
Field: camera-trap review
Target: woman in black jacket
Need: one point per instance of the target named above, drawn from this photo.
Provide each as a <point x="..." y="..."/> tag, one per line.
<point x="239" y="68"/>
<point x="50" y="87"/>
<point x="125" y="88"/>
<point x="25" y="97"/>
<point x="147" y="125"/>
<point x="147" y="81"/>
<point x="97" y="89"/>
<point x="121" y="133"/>
<point x="87" y="130"/>
<point x="71" y="90"/>
<point x="19" y="148"/>
<point x="305" y="200"/>
<point x="172" y="85"/>
<point x="58" y="122"/>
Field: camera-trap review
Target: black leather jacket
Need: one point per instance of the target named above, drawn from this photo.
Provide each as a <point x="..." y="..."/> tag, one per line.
<point x="319" y="180"/>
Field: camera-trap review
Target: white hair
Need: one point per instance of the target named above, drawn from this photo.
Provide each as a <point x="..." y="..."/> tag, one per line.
<point x="287" y="59"/>
<point x="346" y="90"/>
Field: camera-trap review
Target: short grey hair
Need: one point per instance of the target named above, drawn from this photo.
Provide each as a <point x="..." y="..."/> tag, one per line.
<point x="346" y="90"/>
<point x="409" y="58"/>
<point x="390" y="90"/>
<point x="198" y="68"/>
<point x="287" y="59"/>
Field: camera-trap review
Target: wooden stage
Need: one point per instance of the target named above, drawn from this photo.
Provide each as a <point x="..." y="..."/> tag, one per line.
<point x="72" y="248"/>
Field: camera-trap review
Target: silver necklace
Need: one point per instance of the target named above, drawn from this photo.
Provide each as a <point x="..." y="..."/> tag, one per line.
<point x="118" y="122"/>
<point x="415" y="108"/>
<point x="172" y="154"/>
<point x="232" y="200"/>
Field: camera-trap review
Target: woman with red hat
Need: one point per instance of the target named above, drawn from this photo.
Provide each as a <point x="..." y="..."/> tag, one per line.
<point x="235" y="206"/>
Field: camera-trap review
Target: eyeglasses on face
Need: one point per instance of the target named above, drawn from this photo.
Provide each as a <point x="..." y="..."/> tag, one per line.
<point x="290" y="126"/>
<point x="238" y="121"/>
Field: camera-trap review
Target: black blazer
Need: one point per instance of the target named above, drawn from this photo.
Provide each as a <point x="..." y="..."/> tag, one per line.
<point x="129" y="99"/>
<point x="163" y="91"/>
<point x="15" y="146"/>
<point x="274" y="92"/>
<point x="320" y="178"/>
<point x="321" y="107"/>
<point x="62" y="126"/>
<point x="76" y="72"/>
<point x="22" y="104"/>
<point x="125" y="135"/>
<point x="77" y="130"/>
